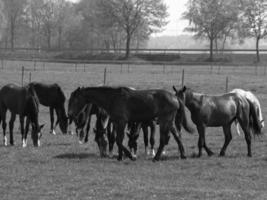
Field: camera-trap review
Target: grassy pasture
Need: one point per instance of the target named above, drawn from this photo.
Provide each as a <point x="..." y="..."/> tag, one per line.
<point x="63" y="169"/>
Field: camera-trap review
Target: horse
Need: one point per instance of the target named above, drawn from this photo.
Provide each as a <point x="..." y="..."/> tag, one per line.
<point x="133" y="132"/>
<point x="80" y="112"/>
<point x="220" y="111"/>
<point x="125" y="105"/>
<point x="249" y="95"/>
<point x="24" y="102"/>
<point x="52" y="96"/>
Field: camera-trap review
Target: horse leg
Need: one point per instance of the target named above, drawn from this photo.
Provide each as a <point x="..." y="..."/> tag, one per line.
<point x="152" y="137"/>
<point x="11" y="126"/>
<point x="120" y="127"/>
<point x="177" y="137"/>
<point x="237" y="127"/>
<point x="88" y="124"/>
<point x="145" y="132"/>
<point x="164" y="134"/>
<point x="3" y="116"/>
<point x="202" y="142"/>
<point x="51" y="111"/>
<point x="247" y="132"/>
<point x="23" y="135"/>
<point x="111" y="138"/>
<point x="228" y="138"/>
<point x="24" y="141"/>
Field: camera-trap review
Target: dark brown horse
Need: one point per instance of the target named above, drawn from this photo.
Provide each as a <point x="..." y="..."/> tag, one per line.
<point x="216" y="111"/>
<point x="52" y="96"/>
<point x="80" y="112"/>
<point x="134" y="129"/>
<point x="125" y="105"/>
<point x="24" y="102"/>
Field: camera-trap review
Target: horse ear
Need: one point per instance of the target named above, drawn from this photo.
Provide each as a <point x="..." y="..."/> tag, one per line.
<point x="184" y="88"/>
<point x="174" y="88"/>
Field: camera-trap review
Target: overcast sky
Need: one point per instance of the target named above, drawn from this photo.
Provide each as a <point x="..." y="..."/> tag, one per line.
<point x="175" y="10"/>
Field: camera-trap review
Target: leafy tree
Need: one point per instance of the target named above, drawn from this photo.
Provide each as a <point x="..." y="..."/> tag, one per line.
<point x="133" y="15"/>
<point x="254" y="21"/>
<point x="211" y="19"/>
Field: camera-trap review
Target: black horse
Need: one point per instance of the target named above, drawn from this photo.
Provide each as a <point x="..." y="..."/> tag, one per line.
<point x="52" y="96"/>
<point x="80" y="112"/>
<point x="133" y="133"/>
<point x="125" y="105"/>
<point x="24" y="102"/>
<point x="216" y="111"/>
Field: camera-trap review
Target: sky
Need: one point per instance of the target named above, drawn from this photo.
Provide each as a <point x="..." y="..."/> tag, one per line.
<point x="176" y="25"/>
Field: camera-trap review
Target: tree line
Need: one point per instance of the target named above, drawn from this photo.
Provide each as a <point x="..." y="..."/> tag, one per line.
<point x="124" y="24"/>
<point x="57" y="24"/>
<point x="221" y="20"/>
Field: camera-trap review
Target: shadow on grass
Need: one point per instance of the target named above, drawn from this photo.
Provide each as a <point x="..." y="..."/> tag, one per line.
<point x="76" y="156"/>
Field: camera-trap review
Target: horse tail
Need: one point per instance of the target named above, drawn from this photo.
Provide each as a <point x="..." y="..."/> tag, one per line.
<point x="34" y="95"/>
<point x="181" y="119"/>
<point x="255" y="121"/>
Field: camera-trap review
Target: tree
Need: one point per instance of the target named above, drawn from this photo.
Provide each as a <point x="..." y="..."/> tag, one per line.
<point x="211" y="18"/>
<point x="14" y="10"/>
<point x="254" y="21"/>
<point x="132" y="15"/>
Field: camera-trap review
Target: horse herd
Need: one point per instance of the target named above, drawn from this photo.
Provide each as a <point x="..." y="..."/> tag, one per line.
<point x="123" y="109"/>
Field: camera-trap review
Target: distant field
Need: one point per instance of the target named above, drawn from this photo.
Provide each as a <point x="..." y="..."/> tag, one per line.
<point x="63" y="169"/>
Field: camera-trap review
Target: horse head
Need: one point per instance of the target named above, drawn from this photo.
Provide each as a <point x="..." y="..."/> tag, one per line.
<point x="37" y="134"/>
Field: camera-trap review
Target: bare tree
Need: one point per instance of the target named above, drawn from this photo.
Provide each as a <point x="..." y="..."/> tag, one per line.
<point x="13" y="10"/>
<point x="132" y="15"/>
<point x="211" y="18"/>
<point x="254" y="21"/>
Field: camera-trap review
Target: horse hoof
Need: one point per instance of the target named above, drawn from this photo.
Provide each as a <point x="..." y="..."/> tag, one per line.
<point x="80" y="142"/>
<point x="222" y="154"/>
<point x="119" y="159"/>
<point x="53" y="132"/>
<point x="183" y="157"/>
<point x="210" y="154"/>
<point x="249" y="155"/>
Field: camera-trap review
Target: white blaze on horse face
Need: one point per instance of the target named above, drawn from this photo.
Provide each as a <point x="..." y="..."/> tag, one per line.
<point x="24" y="143"/>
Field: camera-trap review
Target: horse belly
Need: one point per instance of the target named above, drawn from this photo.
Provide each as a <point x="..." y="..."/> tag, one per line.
<point x="221" y="116"/>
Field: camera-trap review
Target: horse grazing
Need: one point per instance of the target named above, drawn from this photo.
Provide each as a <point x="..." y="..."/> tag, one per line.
<point x="216" y="111"/>
<point x="125" y="105"/>
<point x="80" y="112"/>
<point x="249" y="95"/>
<point x="134" y="129"/>
<point x="24" y="102"/>
<point x="52" y="96"/>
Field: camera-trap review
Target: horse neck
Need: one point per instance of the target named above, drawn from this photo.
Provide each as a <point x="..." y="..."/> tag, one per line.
<point x="191" y="98"/>
<point x="32" y="110"/>
<point x="97" y="96"/>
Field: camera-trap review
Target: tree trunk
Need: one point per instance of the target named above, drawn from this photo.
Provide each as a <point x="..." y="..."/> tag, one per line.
<point x="128" y="41"/>
<point x="12" y="34"/>
<point x="211" y="50"/>
<point x="257" y="49"/>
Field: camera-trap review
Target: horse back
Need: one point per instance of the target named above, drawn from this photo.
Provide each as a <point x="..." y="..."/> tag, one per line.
<point x="142" y="105"/>
<point x="50" y="95"/>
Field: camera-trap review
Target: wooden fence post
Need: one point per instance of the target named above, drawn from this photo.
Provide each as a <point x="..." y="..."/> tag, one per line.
<point x="84" y="67"/>
<point x="34" y="65"/>
<point x="75" y="67"/>
<point x="30" y="77"/>
<point x="182" y="84"/>
<point x="22" y="75"/>
<point x="43" y="66"/>
<point x="226" y="84"/>
<point x="2" y="63"/>
<point x="105" y="76"/>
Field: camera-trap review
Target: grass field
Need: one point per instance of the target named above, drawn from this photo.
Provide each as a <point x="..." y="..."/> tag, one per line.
<point x="63" y="169"/>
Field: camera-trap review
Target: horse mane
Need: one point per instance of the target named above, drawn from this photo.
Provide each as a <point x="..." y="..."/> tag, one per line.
<point x="61" y="93"/>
